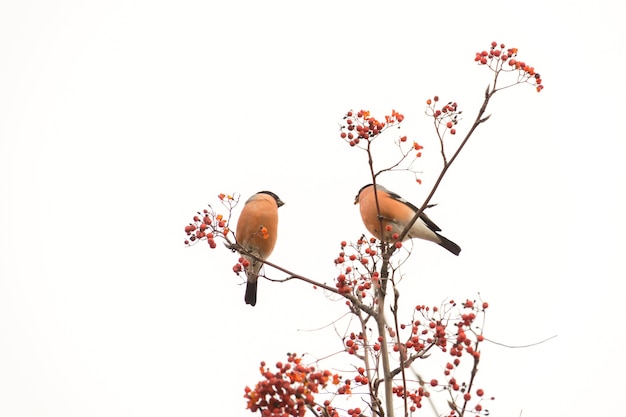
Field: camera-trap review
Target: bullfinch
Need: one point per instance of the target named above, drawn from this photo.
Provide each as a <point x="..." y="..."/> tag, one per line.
<point x="256" y="232"/>
<point x="396" y="212"/>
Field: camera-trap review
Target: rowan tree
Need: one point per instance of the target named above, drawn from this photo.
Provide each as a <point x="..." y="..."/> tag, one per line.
<point x="383" y="349"/>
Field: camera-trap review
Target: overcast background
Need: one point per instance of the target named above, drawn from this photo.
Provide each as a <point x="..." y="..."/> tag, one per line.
<point x="120" y="119"/>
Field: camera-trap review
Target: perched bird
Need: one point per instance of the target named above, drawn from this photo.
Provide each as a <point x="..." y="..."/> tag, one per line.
<point x="396" y="212"/>
<point x="256" y="232"/>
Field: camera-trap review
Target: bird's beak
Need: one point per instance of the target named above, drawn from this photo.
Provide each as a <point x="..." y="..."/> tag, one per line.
<point x="279" y="203"/>
<point x="356" y="199"/>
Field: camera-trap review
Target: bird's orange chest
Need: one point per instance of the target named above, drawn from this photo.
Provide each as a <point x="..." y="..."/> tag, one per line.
<point x="390" y="214"/>
<point x="257" y="225"/>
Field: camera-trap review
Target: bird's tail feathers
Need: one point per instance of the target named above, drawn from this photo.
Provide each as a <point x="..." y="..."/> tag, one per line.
<point x="251" y="288"/>
<point x="449" y="245"/>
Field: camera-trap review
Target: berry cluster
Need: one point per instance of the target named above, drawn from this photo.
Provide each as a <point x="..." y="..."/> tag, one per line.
<point x="241" y="265"/>
<point x="364" y="254"/>
<point x="209" y="224"/>
<point x="362" y="126"/>
<point x="446" y="116"/>
<point x="448" y="328"/>
<point x="288" y="391"/>
<point x="415" y="396"/>
<point x="498" y="55"/>
<point x="358" y="341"/>
<point x="461" y="342"/>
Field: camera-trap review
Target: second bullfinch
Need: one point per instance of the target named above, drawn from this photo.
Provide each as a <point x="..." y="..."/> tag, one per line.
<point x="397" y="212"/>
<point x="257" y="229"/>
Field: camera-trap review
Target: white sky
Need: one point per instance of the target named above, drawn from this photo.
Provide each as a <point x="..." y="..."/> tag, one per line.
<point x="120" y="119"/>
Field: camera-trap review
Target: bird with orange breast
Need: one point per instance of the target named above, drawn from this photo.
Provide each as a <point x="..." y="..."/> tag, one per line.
<point x="395" y="214"/>
<point x="257" y="229"/>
